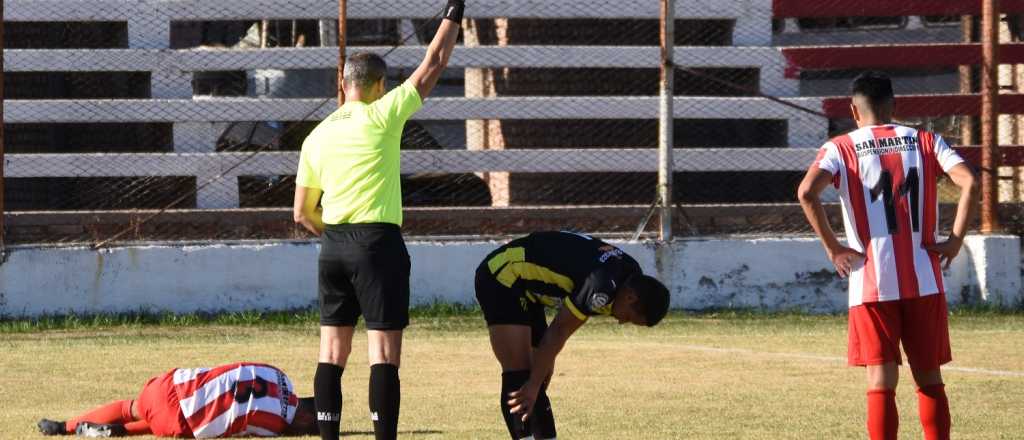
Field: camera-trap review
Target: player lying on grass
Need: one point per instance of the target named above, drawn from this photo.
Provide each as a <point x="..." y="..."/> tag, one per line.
<point x="887" y="176"/>
<point x="226" y="401"/>
<point x="580" y="274"/>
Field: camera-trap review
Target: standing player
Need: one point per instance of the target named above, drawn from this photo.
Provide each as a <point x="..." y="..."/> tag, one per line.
<point x="350" y="166"/>
<point x="583" y="276"/>
<point x="226" y="401"/>
<point x="886" y="175"/>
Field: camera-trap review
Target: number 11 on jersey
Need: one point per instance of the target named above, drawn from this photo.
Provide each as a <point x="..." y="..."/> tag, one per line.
<point x="890" y="195"/>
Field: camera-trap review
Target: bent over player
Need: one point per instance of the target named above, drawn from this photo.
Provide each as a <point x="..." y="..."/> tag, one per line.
<point x="581" y="275"/>
<point x="226" y="401"/>
<point x="887" y="175"/>
<point x="350" y="166"/>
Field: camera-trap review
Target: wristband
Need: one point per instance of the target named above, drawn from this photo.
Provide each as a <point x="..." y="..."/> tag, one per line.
<point x="454" y="10"/>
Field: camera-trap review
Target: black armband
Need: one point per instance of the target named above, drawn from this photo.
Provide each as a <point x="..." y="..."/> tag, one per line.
<point x="454" y="10"/>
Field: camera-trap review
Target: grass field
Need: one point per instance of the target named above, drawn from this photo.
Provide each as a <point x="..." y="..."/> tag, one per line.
<point x="724" y="376"/>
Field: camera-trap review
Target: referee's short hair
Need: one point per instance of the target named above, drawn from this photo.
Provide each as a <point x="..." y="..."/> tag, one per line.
<point x="363" y="70"/>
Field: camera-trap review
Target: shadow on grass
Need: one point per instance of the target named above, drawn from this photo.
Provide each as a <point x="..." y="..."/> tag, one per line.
<point x="413" y="432"/>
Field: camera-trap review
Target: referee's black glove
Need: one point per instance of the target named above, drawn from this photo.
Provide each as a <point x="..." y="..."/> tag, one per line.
<point x="454" y="10"/>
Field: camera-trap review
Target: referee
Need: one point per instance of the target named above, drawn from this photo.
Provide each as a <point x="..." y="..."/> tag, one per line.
<point x="349" y="166"/>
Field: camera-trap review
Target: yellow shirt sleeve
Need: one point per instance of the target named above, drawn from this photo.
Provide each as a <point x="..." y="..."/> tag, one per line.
<point x="396" y="107"/>
<point x="307" y="176"/>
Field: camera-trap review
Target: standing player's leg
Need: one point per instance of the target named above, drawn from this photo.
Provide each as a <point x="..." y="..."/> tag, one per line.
<point x="382" y="286"/>
<point x="883" y="416"/>
<point x="385" y="357"/>
<point x="335" y="347"/>
<point x="542" y="421"/>
<point x="508" y="322"/>
<point x="932" y="404"/>
<point x="874" y="332"/>
<point x="926" y="341"/>
<point x="511" y="346"/>
<point x="339" y="312"/>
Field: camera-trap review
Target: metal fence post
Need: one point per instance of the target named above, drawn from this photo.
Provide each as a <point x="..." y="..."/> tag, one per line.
<point x="342" y="44"/>
<point x="665" y="132"/>
<point x="989" y="117"/>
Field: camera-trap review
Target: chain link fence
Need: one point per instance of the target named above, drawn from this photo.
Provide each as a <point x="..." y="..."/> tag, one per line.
<point x="153" y="121"/>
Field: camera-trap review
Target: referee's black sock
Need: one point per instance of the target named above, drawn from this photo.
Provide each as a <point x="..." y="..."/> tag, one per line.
<point x="327" y="399"/>
<point x="513" y="381"/>
<point x="543" y="420"/>
<point x="385" y="400"/>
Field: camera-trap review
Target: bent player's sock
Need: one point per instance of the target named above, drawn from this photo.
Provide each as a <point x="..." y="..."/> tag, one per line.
<point x="119" y="412"/>
<point x="883" y="418"/>
<point x="327" y="399"/>
<point x="385" y="400"/>
<point x="513" y="381"/>
<point x="543" y="419"/>
<point x="933" y="407"/>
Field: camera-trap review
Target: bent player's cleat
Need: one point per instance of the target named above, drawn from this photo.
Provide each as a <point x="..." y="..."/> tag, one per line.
<point x="51" y="427"/>
<point x="94" y="430"/>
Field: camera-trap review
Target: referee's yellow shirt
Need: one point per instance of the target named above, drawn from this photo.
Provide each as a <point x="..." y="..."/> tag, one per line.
<point x="353" y="156"/>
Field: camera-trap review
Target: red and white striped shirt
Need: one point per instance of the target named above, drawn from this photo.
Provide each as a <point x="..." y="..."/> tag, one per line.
<point x="237" y="399"/>
<point x="887" y="180"/>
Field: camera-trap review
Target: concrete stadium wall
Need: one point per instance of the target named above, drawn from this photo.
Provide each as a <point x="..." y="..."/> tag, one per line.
<point x="767" y="274"/>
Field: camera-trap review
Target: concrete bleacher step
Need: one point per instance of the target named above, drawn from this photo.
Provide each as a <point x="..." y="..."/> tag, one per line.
<point x="145" y="27"/>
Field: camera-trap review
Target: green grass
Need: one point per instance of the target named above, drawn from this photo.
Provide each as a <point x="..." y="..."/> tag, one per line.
<point x="722" y="375"/>
<point x="438" y="313"/>
<point x="171" y="320"/>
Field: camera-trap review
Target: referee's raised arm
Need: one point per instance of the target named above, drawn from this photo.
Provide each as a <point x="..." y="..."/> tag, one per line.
<point x="348" y="191"/>
<point x="425" y="77"/>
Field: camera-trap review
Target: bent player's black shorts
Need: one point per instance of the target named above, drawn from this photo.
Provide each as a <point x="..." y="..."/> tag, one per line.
<point x="507" y="305"/>
<point x="364" y="270"/>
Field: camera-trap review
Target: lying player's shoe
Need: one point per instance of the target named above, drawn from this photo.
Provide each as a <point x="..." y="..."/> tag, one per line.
<point x="93" y="430"/>
<point x="51" y="427"/>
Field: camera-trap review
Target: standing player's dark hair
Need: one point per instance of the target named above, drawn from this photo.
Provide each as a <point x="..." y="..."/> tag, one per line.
<point x="363" y="69"/>
<point x="654" y="297"/>
<point x="875" y="86"/>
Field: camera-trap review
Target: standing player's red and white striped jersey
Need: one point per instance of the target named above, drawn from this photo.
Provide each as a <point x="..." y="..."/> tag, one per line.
<point x="237" y="399"/>
<point x="887" y="177"/>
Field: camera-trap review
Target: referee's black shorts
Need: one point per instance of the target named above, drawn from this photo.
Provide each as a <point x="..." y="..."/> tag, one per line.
<point x="508" y="305"/>
<point x="364" y="270"/>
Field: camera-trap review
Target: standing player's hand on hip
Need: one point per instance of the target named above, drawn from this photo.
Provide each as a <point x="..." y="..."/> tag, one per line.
<point x="844" y="258"/>
<point x="522" y="401"/>
<point x="947" y="250"/>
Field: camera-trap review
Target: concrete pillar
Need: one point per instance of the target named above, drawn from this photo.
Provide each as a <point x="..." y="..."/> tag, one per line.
<point x="995" y="265"/>
<point x="480" y="83"/>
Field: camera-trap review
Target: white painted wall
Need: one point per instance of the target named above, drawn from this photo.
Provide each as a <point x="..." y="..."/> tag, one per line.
<point x="764" y="273"/>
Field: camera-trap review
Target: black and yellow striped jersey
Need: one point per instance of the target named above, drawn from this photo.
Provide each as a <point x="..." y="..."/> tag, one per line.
<point x="555" y="268"/>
